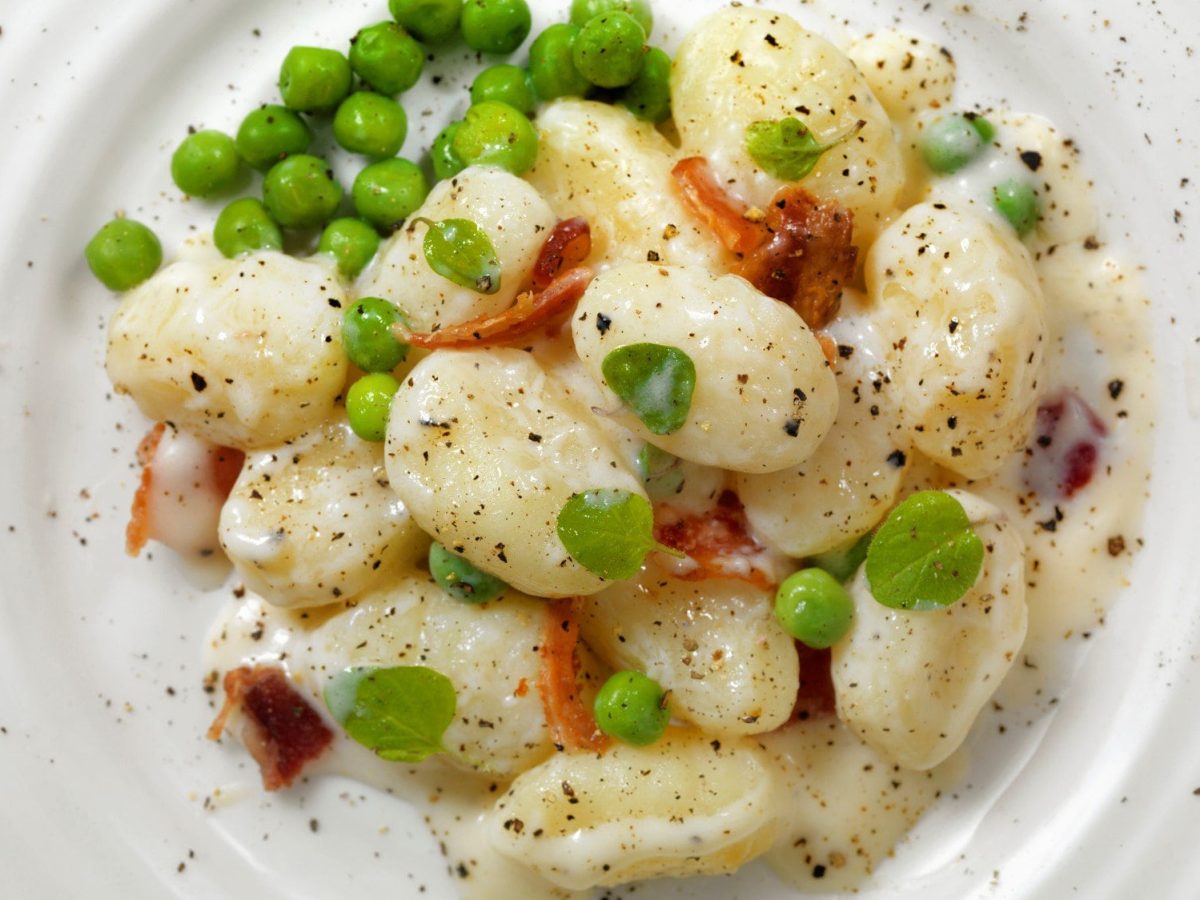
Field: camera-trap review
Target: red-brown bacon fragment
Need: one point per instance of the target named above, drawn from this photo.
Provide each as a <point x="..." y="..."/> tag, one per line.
<point x="808" y="257"/>
<point x="799" y="250"/>
<point x="1066" y="450"/>
<point x="816" y="698"/>
<point x="529" y="312"/>
<point x="568" y="245"/>
<point x="225" y="466"/>
<point x="572" y="725"/>
<point x="282" y="731"/>
<point x="717" y="540"/>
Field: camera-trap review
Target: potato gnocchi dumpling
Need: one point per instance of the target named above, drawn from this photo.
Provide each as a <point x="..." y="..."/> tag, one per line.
<point x="714" y="644"/>
<point x="960" y="305"/>
<point x="484" y="449"/>
<point x="246" y="353"/>
<point x="489" y="653"/>
<point x="743" y="65"/>
<point x="314" y="520"/>
<point x="907" y="73"/>
<point x="599" y="162"/>
<point x="510" y="212"/>
<point x="688" y="805"/>
<point x="765" y="396"/>
<point x="910" y="684"/>
<point x="847" y="486"/>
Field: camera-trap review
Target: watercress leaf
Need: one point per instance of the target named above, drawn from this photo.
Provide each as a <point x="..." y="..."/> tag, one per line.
<point x="461" y="251"/>
<point x="655" y="381"/>
<point x="786" y="148"/>
<point x="607" y="531"/>
<point x="400" y="712"/>
<point x="661" y="472"/>
<point x="925" y="555"/>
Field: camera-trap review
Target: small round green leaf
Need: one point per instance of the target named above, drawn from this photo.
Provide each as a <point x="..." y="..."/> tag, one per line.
<point x="842" y="562"/>
<point x="607" y="531"/>
<point x="786" y="148"/>
<point x="925" y="555"/>
<point x="661" y="472"/>
<point x="461" y="251"/>
<point x="655" y="381"/>
<point x="400" y="712"/>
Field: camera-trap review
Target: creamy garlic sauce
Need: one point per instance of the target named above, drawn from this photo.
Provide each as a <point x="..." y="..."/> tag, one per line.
<point x="841" y="807"/>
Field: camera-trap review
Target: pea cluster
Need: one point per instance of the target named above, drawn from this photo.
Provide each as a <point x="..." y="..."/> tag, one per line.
<point x="601" y="52"/>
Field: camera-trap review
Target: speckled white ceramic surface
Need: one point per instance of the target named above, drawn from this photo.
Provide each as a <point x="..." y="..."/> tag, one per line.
<point x="107" y="786"/>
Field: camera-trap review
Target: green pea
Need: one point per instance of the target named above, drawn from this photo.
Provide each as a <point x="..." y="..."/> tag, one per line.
<point x="814" y="608"/>
<point x="950" y="142"/>
<point x="460" y="579"/>
<point x="495" y="134"/>
<point x="842" y="562"/>
<point x="370" y="124"/>
<point x="495" y="26"/>
<point x="632" y="708"/>
<point x="610" y="50"/>
<point x="386" y="193"/>
<point x="583" y="11"/>
<point x="368" y="403"/>
<point x="206" y="163"/>
<point x="269" y="134"/>
<point x="431" y="21"/>
<point x="300" y="192"/>
<point x="367" y="335"/>
<point x="551" y="65"/>
<point x="445" y="163"/>
<point x="1017" y="201"/>
<point x="352" y="242"/>
<point x="123" y="254"/>
<point x="649" y="96"/>
<point x="508" y="84"/>
<point x="244" y="226"/>
<point x="386" y="57"/>
<point x="313" y="79"/>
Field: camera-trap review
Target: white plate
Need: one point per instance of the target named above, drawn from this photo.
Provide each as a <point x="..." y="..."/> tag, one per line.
<point x="104" y="772"/>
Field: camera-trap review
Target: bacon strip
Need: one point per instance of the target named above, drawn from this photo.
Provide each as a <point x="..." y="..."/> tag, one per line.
<point x="569" y="244"/>
<point x="724" y="214"/>
<point x="572" y="724"/>
<point x="816" y="698"/>
<point x="530" y="312"/>
<point x="718" y="541"/>
<point x="800" y="251"/>
<point x="282" y="730"/>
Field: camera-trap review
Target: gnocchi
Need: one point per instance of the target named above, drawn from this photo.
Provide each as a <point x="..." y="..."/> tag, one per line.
<point x="765" y="396"/>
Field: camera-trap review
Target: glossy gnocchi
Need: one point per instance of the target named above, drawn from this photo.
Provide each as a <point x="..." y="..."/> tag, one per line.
<point x="910" y="684"/>
<point x="684" y="806"/>
<point x="743" y="65"/>
<point x="245" y="353"/>
<point x="314" y="521"/>
<point x="714" y="644"/>
<point x="508" y="210"/>
<point x="765" y="396"/>
<point x="960" y="305"/>
<point x="484" y="449"/>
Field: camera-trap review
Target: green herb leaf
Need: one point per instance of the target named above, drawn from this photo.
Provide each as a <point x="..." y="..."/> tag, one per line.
<point x="461" y="251"/>
<point x="661" y="472"/>
<point x="786" y="148"/>
<point x="842" y="562"/>
<point x="655" y="381"/>
<point x="925" y="555"/>
<point x="607" y="531"/>
<point x="400" y="712"/>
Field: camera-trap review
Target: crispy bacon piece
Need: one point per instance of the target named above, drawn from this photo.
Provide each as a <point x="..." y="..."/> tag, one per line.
<point x="1066" y="448"/>
<point x="799" y="251"/>
<point x="816" y="698"/>
<point x="226" y="465"/>
<point x="569" y="244"/>
<point x="718" y="541"/>
<point x="725" y="215"/>
<point x="808" y="257"/>
<point x="572" y="724"/>
<point x="282" y="730"/>
<point x="529" y="312"/>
